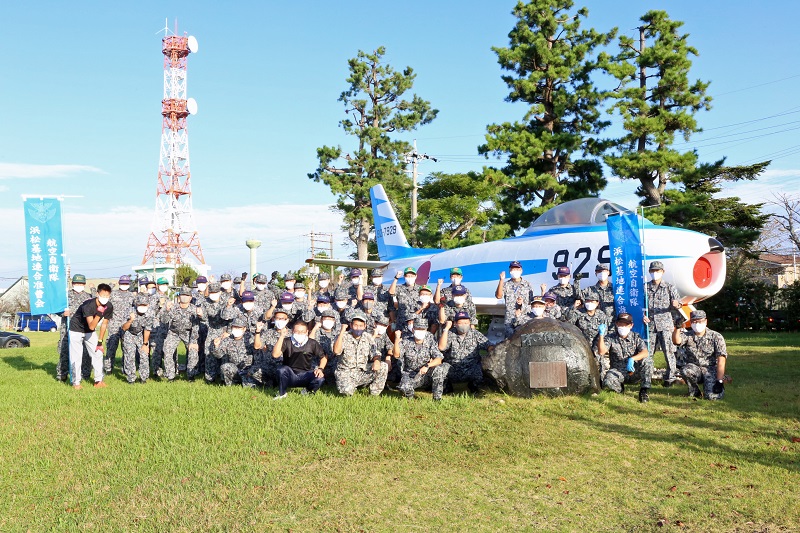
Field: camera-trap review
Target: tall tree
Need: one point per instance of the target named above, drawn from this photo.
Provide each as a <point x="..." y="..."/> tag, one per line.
<point x="551" y="153"/>
<point x="788" y="216"/>
<point x="375" y="109"/>
<point x="656" y="102"/>
<point x="456" y="210"/>
<point x="693" y="205"/>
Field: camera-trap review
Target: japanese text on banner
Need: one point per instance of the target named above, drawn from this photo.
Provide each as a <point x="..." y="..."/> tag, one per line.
<point x="47" y="283"/>
<point x="626" y="267"/>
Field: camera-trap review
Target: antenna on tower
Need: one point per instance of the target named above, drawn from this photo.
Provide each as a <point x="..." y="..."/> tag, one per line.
<point x="165" y="29"/>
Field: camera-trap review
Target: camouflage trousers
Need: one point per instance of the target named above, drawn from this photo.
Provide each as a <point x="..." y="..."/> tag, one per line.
<point x="62" y="368"/>
<point x="347" y="381"/>
<point x="396" y="372"/>
<point x="433" y="378"/>
<point x="112" y="343"/>
<point x="642" y="373"/>
<point x="231" y="374"/>
<point x="132" y="350"/>
<point x="157" y="337"/>
<point x="662" y="340"/>
<point x="602" y="365"/>
<point x="465" y="373"/>
<point x="265" y="371"/>
<point x="696" y="375"/>
<point x="211" y="366"/>
<point x="171" y="349"/>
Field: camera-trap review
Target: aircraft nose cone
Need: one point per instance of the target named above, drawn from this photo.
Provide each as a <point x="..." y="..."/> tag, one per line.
<point x="715" y="246"/>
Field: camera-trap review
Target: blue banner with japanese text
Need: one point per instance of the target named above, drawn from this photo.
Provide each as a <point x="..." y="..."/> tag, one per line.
<point x="47" y="282"/>
<point x="625" y="247"/>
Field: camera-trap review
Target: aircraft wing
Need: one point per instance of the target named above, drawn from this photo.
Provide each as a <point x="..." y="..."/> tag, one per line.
<point x="349" y="263"/>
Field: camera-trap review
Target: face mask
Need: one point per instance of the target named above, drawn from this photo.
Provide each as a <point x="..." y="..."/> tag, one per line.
<point x="102" y="299"/>
<point x="202" y="287"/>
<point x="368" y="304"/>
<point x="323" y="284"/>
<point x="656" y="275"/>
<point x="380" y="330"/>
<point x="538" y="310"/>
<point x="163" y="289"/>
<point x="410" y="327"/>
<point x="602" y="276"/>
<point x="516" y="274"/>
<point x="151" y="290"/>
<point x="290" y="285"/>
<point x="214" y="296"/>
<point x="226" y="285"/>
<point x="124" y="287"/>
<point x="698" y="327"/>
<point x="237" y="332"/>
<point x="456" y="280"/>
<point x="299" y="339"/>
<point x="141" y="309"/>
<point x="185" y="299"/>
<point x="280" y="324"/>
<point x="590" y="306"/>
<point x="341" y="304"/>
<point x="459" y="300"/>
<point x="410" y="280"/>
<point x="237" y="286"/>
<point x="357" y="332"/>
<point x="299" y="295"/>
<point x="425" y="299"/>
<point x="261" y="286"/>
<point x="564" y="280"/>
<point x="419" y="334"/>
<point x="328" y="324"/>
<point x="355" y="281"/>
<point x="78" y="288"/>
<point x="462" y="329"/>
<point x="623" y="330"/>
<point x="377" y="281"/>
<point x="248" y="306"/>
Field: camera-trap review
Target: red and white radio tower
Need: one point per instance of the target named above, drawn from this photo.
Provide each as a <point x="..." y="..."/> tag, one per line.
<point x="174" y="231"/>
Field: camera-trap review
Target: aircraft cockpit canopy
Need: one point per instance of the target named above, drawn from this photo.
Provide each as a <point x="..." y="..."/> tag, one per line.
<point x="577" y="212"/>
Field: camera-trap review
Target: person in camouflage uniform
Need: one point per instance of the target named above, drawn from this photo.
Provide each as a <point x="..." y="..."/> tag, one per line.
<point x="265" y="367"/>
<point x="353" y="286"/>
<point x="183" y="325"/>
<point x="359" y="362"/>
<point x="551" y="308"/>
<point x="567" y="294"/>
<point x="425" y="308"/>
<point x="706" y="356"/>
<point x="422" y="361"/>
<point x="325" y="334"/>
<point x="323" y="305"/>
<point x="517" y="294"/>
<point x="536" y="311"/>
<point x="158" y="302"/>
<point x="456" y="303"/>
<point x="405" y="297"/>
<point x="629" y="360"/>
<point x="212" y="307"/>
<point x="324" y="282"/>
<point x="662" y="299"/>
<point x="604" y="289"/>
<point x="342" y="305"/>
<point x="445" y="295"/>
<point x="589" y="320"/>
<point x="462" y="351"/>
<point x="234" y="354"/>
<point x="136" y="340"/>
<point x="75" y="297"/>
<point x="263" y="294"/>
<point x="385" y="348"/>
<point x="377" y="288"/>
<point x="122" y="301"/>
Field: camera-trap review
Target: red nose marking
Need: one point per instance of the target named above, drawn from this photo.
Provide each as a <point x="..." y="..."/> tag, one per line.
<point x="702" y="273"/>
<point x="423" y="273"/>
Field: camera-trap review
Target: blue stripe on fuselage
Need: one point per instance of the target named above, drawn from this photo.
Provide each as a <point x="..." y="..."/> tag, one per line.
<point x="480" y="272"/>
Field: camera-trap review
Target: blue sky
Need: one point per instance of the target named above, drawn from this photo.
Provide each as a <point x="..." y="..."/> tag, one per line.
<point x="82" y="83"/>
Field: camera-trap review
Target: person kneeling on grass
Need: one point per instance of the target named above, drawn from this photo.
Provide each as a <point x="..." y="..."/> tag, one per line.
<point x="82" y="334"/>
<point x="422" y="361"/>
<point x="706" y="355"/>
<point x="629" y="358"/>
<point x="359" y="361"/>
<point x="299" y="353"/>
<point x="234" y="354"/>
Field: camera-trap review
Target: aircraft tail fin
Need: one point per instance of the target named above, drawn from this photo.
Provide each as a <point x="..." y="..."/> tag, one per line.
<point x="392" y="242"/>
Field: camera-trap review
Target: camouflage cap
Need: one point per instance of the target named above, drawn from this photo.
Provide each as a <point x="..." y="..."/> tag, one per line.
<point x="656" y="265"/>
<point x="358" y="315"/>
<point x="377" y="272"/>
<point x="328" y="313"/>
<point x="299" y="285"/>
<point x="420" y="323"/>
<point x="214" y="286"/>
<point x="591" y="294"/>
<point x="142" y="299"/>
<point x="238" y="322"/>
<point x="697" y="314"/>
<point x="237" y="279"/>
<point x="280" y="311"/>
<point x="185" y="291"/>
<point x="225" y="277"/>
<point x="79" y="278"/>
<point x="381" y="318"/>
<point x="324" y="275"/>
<point x="340" y="294"/>
<point x="261" y="278"/>
<point x="289" y="277"/>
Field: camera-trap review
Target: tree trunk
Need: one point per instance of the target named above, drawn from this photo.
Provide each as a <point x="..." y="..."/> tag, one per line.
<point x="363" y="239"/>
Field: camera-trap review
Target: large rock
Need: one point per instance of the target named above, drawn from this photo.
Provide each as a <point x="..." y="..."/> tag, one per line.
<point x="556" y="353"/>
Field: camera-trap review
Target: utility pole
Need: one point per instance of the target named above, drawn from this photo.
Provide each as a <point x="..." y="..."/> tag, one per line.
<point x="321" y="241"/>
<point x="413" y="157"/>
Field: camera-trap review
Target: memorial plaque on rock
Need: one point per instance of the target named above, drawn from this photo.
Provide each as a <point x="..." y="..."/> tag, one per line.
<point x="548" y="375"/>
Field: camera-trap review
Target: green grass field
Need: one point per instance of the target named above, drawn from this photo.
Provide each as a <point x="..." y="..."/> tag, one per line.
<point x="188" y="456"/>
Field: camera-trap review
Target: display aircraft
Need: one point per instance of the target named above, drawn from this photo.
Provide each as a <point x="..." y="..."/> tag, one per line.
<point x="572" y="234"/>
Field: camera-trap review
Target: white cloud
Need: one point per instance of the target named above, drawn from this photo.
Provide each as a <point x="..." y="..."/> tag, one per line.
<point x="30" y="171"/>
<point x="780" y="173"/>
<point x="3" y="188"/>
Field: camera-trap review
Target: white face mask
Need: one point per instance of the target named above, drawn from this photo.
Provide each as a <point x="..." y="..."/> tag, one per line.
<point x="299" y="339"/>
<point x="380" y="330"/>
<point x="602" y="276"/>
<point x="563" y="280"/>
<point x="78" y="288"/>
<point x="151" y="290"/>
<point x="237" y="332"/>
<point x="516" y="274"/>
<point x="163" y="289"/>
<point x="103" y="300"/>
<point x="328" y="324"/>
<point x="459" y="300"/>
<point x="290" y="285"/>
<point x="698" y="327"/>
<point x="214" y="296"/>
<point x="656" y="275"/>
<point x="202" y="287"/>
<point x="341" y="304"/>
<point x="426" y="299"/>
<point x="590" y="306"/>
<point x="248" y="306"/>
<point x="456" y="280"/>
<point x="236" y="286"/>
<point x="377" y="281"/>
<point x="226" y="285"/>
<point x="537" y="310"/>
<point x="261" y="286"/>
<point x="623" y="330"/>
<point x="280" y="324"/>
<point x="419" y="334"/>
<point x="124" y="287"/>
<point x="141" y="309"/>
<point x="299" y="295"/>
<point x="410" y="280"/>
<point x="355" y="281"/>
<point x="185" y="299"/>
<point x="323" y="283"/>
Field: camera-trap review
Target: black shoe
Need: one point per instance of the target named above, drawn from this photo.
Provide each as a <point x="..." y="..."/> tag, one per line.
<point x="643" y="396"/>
<point x="695" y="394"/>
<point x="473" y="387"/>
<point x="448" y="388"/>
<point x="667" y="384"/>
<point x="623" y="390"/>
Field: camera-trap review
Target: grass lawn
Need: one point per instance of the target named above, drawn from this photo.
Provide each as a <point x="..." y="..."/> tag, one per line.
<point x="188" y="456"/>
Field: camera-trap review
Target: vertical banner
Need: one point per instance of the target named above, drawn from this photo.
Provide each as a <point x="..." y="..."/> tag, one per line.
<point x="47" y="284"/>
<point x="625" y="247"/>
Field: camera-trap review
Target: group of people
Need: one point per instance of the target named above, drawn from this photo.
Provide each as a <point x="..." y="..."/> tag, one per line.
<point x="358" y="333"/>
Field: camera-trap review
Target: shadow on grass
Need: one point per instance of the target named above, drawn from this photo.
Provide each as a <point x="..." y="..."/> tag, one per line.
<point x="20" y="363"/>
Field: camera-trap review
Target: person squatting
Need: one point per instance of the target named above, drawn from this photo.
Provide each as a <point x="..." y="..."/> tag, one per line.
<point x="352" y="334"/>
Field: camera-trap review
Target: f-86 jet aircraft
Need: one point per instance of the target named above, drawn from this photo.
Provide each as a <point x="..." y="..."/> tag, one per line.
<point x="572" y="234"/>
